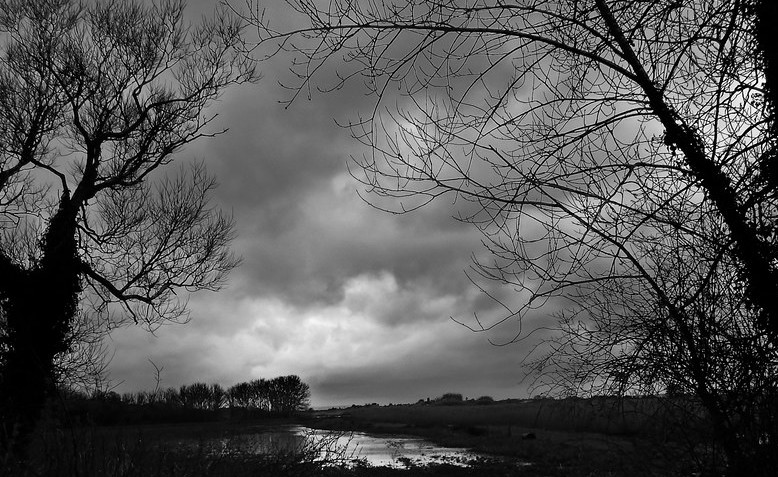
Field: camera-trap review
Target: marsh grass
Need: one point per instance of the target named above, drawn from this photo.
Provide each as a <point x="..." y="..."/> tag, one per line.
<point x="572" y="437"/>
<point x="496" y="430"/>
<point x="108" y="452"/>
<point x="111" y="452"/>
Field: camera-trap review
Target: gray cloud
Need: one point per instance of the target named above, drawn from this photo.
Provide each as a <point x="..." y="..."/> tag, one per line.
<point x="300" y="220"/>
<point x="354" y="300"/>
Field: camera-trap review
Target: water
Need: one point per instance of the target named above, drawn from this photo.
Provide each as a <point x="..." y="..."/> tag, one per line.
<point x="393" y="451"/>
<point x="346" y="448"/>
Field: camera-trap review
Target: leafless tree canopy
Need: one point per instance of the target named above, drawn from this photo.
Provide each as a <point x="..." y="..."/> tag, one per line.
<point x="618" y="156"/>
<point x="95" y="102"/>
<point x="96" y="99"/>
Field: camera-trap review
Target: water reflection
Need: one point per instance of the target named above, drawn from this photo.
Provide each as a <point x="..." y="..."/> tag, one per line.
<point x="344" y="448"/>
<point x="391" y="451"/>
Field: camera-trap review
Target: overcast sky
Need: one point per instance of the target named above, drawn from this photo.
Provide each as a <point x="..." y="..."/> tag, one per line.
<point x="355" y="301"/>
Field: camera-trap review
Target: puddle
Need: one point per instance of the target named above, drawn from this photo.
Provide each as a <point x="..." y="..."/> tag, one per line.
<point x="391" y="451"/>
<point x="346" y="448"/>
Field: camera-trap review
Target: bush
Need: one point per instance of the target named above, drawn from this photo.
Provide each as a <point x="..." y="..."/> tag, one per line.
<point x="449" y="398"/>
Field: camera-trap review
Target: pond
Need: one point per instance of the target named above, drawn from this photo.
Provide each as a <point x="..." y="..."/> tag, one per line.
<point x="344" y="447"/>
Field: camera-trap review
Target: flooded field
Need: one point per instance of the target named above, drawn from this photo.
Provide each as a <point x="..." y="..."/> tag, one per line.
<point x="342" y="447"/>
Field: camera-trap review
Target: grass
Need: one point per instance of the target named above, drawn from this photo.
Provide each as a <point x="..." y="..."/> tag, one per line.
<point x="645" y="416"/>
<point x="573" y="438"/>
<point x="495" y="431"/>
<point x="109" y="452"/>
<point x="146" y="451"/>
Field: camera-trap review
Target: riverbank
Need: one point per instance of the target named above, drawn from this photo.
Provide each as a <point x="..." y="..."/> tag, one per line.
<point x="506" y="442"/>
<point x="212" y="450"/>
<point x="509" y="431"/>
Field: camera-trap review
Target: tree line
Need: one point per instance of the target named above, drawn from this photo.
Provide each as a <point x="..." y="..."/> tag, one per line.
<point x="283" y="395"/>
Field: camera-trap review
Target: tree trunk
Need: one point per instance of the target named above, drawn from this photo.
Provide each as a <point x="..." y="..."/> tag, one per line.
<point x="28" y="371"/>
<point x="755" y="253"/>
<point x="767" y="39"/>
<point x="39" y="307"/>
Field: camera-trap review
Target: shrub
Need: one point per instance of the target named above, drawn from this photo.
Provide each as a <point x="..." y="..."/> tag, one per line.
<point x="449" y="398"/>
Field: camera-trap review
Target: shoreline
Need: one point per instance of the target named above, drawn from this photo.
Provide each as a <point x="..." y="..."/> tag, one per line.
<point x="503" y="441"/>
<point x="537" y="450"/>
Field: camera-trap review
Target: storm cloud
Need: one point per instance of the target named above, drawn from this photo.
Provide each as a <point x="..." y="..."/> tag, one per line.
<point x="356" y="301"/>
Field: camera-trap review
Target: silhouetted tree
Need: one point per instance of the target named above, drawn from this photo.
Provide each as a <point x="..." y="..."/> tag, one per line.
<point x="240" y="395"/>
<point x="449" y="398"/>
<point x="195" y="396"/>
<point x="260" y="394"/>
<point x="218" y="397"/>
<point x="619" y="158"/>
<point x="85" y="363"/>
<point x="289" y="394"/>
<point x="170" y="397"/>
<point x="95" y="100"/>
<point x="281" y="395"/>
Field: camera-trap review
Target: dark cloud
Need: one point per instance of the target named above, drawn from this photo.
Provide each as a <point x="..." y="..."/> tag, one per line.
<point x="452" y="362"/>
<point x="356" y="301"/>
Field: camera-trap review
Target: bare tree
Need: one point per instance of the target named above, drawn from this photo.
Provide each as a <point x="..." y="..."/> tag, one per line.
<point x="261" y="394"/>
<point x="281" y="395"/>
<point x="618" y="339"/>
<point x="84" y="366"/>
<point x="240" y="395"/>
<point x="95" y="100"/>
<point x="195" y="396"/>
<point x="618" y="157"/>
<point x="288" y="394"/>
<point x="218" y="397"/>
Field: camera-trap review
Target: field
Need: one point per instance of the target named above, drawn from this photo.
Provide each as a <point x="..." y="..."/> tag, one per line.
<point x="639" y="416"/>
<point x="631" y="437"/>
<point x="575" y="438"/>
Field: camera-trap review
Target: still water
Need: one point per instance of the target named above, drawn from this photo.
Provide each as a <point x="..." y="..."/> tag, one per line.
<point x="345" y="448"/>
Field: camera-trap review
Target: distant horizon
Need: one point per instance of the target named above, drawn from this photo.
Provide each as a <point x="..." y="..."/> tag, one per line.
<point x="320" y="403"/>
<point x="319" y="407"/>
<point x="326" y="397"/>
